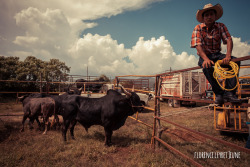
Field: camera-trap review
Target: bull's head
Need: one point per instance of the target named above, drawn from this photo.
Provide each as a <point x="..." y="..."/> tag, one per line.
<point x="21" y="98"/>
<point x="126" y="92"/>
<point x="134" y="99"/>
<point x="75" y="91"/>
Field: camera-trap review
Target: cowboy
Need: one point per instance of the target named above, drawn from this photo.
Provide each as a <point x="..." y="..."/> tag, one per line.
<point x="206" y="38"/>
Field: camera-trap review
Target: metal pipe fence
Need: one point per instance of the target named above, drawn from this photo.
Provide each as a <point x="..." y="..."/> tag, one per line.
<point x="157" y="128"/>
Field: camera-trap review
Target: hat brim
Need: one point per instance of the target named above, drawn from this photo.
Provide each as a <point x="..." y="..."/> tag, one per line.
<point x="217" y="8"/>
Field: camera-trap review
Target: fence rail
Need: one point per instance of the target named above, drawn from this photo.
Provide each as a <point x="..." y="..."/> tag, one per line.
<point x="157" y="129"/>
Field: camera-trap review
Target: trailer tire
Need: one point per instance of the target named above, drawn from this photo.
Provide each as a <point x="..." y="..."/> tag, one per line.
<point x="176" y="103"/>
<point x="170" y="102"/>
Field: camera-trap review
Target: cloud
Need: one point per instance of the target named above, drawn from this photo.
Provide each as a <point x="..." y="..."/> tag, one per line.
<point x="240" y="49"/>
<point x="75" y="10"/>
<point x="102" y="54"/>
<point x="49" y="26"/>
<point x="50" y="29"/>
<point x="157" y="55"/>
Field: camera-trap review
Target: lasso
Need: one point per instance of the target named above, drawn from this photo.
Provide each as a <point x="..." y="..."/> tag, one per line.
<point x="222" y="73"/>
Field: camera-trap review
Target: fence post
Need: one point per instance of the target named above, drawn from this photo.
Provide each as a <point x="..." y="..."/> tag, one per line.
<point x="17" y="95"/>
<point x="47" y="87"/>
<point x="157" y="129"/>
<point x="158" y="111"/>
<point x="155" y="108"/>
<point x="60" y="84"/>
<point x="41" y="82"/>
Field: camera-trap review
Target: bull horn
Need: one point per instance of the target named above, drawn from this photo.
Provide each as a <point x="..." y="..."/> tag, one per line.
<point x="133" y="89"/>
<point x="126" y="92"/>
<point x="20" y="97"/>
<point x="80" y="89"/>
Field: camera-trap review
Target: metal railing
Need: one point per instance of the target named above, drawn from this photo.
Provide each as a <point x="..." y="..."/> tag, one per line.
<point x="157" y="128"/>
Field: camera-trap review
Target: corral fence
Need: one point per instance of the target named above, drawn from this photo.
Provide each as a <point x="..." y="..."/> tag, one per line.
<point x="157" y="129"/>
<point x="49" y="87"/>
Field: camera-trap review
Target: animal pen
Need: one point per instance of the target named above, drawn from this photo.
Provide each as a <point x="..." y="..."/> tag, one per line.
<point x="238" y="111"/>
<point x="229" y="117"/>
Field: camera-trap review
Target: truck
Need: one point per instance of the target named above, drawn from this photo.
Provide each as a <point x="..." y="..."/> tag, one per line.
<point x="105" y="87"/>
<point x="183" y="85"/>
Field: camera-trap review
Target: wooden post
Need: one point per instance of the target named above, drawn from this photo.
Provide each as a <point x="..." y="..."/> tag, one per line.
<point x="47" y="87"/>
<point x="158" y="112"/>
<point x="155" y="110"/>
<point x="60" y="84"/>
<point x="17" y="95"/>
<point x="84" y="89"/>
<point x="41" y="90"/>
<point x="157" y="129"/>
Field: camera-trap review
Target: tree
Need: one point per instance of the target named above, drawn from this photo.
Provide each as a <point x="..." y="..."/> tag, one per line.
<point x="56" y="70"/>
<point x="8" y="67"/>
<point x="30" y="70"/>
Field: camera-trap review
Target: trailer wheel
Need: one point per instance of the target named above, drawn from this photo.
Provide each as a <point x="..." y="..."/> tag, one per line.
<point x="176" y="103"/>
<point x="170" y="102"/>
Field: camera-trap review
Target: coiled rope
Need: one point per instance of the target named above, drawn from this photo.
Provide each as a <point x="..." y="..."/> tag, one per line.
<point x="223" y="73"/>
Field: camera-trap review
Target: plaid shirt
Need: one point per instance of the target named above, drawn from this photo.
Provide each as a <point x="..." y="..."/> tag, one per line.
<point x="210" y="42"/>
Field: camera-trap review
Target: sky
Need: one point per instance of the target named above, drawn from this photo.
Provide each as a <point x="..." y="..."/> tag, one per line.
<point x="114" y="37"/>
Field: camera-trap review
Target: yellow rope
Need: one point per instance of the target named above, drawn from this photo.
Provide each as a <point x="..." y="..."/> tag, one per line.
<point x="222" y="73"/>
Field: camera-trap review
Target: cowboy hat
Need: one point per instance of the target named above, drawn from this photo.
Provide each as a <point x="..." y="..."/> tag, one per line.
<point x="217" y="8"/>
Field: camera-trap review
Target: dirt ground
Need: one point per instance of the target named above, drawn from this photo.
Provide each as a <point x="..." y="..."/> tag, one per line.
<point x="131" y="143"/>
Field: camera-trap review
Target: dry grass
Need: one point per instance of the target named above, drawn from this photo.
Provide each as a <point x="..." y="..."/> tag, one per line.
<point x="131" y="143"/>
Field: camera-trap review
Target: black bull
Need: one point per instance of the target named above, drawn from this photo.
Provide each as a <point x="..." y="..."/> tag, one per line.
<point x="110" y="111"/>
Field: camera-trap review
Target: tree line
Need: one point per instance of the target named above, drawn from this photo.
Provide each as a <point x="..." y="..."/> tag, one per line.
<point x="31" y="69"/>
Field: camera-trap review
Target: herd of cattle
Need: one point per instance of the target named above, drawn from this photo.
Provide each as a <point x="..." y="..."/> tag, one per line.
<point x="109" y="111"/>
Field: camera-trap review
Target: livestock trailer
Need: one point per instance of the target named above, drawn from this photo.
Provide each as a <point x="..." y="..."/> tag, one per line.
<point x="183" y="85"/>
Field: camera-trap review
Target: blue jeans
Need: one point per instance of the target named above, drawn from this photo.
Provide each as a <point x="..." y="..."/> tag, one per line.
<point x="248" y="139"/>
<point x="208" y="72"/>
<point x="248" y="143"/>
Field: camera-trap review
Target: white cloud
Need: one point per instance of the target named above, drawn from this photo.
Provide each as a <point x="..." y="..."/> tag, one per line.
<point x="47" y="34"/>
<point x="50" y="29"/>
<point x="240" y="49"/>
<point x="102" y="54"/>
<point x="26" y="41"/>
<point x="157" y="55"/>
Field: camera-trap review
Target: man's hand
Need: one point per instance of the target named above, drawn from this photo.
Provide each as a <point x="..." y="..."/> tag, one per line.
<point x="227" y="59"/>
<point x="207" y="63"/>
